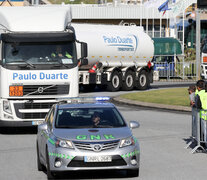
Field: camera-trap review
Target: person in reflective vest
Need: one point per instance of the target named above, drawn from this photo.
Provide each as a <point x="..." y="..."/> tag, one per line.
<point x="59" y="53"/>
<point x="201" y="98"/>
<point x="203" y="112"/>
<point x="200" y="85"/>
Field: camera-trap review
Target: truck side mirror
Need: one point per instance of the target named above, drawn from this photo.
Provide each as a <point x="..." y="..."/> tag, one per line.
<point x="84" y="50"/>
<point x="84" y="61"/>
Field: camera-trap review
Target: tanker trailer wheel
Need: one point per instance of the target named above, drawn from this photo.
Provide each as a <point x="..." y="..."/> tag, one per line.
<point x="142" y="81"/>
<point x="115" y="83"/>
<point x="128" y="83"/>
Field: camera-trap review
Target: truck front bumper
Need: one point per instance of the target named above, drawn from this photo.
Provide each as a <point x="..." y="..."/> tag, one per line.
<point x="6" y="123"/>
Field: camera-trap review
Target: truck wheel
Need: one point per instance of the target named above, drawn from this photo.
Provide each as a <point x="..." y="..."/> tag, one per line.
<point x="115" y="83"/>
<point x="40" y="167"/>
<point x="143" y="81"/>
<point x="133" y="172"/>
<point x="128" y="83"/>
<point x="50" y="175"/>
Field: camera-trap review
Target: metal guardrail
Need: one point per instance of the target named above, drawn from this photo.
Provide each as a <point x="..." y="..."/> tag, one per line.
<point x="199" y="130"/>
<point x="180" y="71"/>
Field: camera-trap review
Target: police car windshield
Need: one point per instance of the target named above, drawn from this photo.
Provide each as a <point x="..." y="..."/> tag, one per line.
<point x="89" y="118"/>
<point x="61" y="53"/>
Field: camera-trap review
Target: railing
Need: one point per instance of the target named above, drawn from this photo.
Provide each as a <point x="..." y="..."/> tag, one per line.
<point x="179" y="71"/>
<point x="199" y="130"/>
<point x="155" y="34"/>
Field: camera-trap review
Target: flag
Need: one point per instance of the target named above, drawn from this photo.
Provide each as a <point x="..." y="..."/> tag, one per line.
<point x="164" y="7"/>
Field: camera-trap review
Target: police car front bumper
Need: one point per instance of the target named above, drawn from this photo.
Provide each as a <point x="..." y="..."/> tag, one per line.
<point x="62" y="159"/>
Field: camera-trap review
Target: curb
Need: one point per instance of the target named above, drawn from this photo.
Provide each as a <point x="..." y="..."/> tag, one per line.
<point x="152" y="105"/>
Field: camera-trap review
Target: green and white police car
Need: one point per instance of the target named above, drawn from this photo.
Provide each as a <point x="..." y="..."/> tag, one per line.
<point x="69" y="139"/>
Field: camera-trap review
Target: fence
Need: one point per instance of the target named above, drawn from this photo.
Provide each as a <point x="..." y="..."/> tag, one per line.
<point x="179" y="71"/>
<point x="199" y="130"/>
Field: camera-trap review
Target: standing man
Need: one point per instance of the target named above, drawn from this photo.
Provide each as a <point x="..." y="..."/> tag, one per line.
<point x="200" y="91"/>
<point x="201" y="105"/>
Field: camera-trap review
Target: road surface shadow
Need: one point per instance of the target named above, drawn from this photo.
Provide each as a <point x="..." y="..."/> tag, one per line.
<point x="96" y="174"/>
<point x="18" y="130"/>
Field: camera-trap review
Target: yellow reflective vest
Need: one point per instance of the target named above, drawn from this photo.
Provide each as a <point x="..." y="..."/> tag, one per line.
<point x="203" y="99"/>
<point x="66" y="55"/>
<point x="196" y="92"/>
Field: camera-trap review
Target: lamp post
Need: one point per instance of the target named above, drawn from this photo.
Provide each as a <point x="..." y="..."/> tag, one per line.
<point x="198" y="43"/>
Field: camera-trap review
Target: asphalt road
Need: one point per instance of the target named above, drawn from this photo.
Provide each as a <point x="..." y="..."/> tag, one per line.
<point x="162" y="137"/>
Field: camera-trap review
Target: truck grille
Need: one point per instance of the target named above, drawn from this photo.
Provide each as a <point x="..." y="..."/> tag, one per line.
<point x="90" y="146"/>
<point x="31" y="105"/>
<point x="45" y="89"/>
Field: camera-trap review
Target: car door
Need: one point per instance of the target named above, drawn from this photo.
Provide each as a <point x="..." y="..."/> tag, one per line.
<point x="45" y="134"/>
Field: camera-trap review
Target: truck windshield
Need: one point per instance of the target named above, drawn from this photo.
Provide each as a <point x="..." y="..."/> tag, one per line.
<point x="32" y="53"/>
<point x="204" y="48"/>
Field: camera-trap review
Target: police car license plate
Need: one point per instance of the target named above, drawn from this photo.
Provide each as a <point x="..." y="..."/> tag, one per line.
<point x="97" y="159"/>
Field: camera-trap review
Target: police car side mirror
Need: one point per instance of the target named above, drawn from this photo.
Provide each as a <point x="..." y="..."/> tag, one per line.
<point x="43" y="127"/>
<point x="134" y="124"/>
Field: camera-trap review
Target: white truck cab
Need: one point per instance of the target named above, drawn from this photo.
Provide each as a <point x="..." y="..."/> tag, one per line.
<point x="32" y="73"/>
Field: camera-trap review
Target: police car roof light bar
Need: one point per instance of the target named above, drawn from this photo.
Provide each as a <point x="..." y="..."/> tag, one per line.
<point x="83" y="100"/>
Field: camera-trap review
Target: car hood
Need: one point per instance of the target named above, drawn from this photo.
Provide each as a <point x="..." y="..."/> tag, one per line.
<point x="100" y="134"/>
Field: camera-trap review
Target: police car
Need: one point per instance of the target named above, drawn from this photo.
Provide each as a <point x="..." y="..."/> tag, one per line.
<point x="70" y="139"/>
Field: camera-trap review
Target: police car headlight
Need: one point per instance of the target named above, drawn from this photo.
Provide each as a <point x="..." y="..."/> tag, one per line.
<point x="64" y="144"/>
<point x="127" y="142"/>
<point x="7" y="107"/>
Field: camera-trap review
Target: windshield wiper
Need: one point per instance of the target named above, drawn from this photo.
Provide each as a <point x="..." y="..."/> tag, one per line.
<point x="102" y="126"/>
<point x="62" y="63"/>
<point x="58" y="60"/>
<point x="27" y="63"/>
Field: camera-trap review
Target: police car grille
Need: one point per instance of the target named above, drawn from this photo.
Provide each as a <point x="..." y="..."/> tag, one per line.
<point x="89" y="146"/>
<point x="47" y="89"/>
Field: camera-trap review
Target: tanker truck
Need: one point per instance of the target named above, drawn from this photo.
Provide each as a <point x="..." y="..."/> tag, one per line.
<point x="31" y="80"/>
<point x="119" y="57"/>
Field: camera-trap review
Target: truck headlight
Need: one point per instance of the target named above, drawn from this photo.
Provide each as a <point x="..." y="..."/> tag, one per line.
<point x="64" y="144"/>
<point x="127" y="142"/>
<point x="7" y="107"/>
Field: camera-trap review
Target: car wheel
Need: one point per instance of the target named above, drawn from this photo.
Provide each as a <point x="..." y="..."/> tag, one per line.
<point x="133" y="172"/>
<point x="40" y="167"/>
<point x="50" y="175"/>
<point x="116" y="82"/>
<point x="128" y="83"/>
